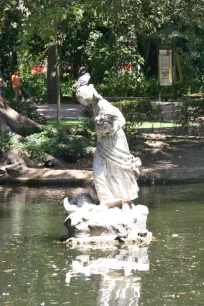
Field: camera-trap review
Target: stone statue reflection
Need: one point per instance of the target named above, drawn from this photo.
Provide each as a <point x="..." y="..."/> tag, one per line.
<point x="119" y="283"/>
<point x="115" y="168"/>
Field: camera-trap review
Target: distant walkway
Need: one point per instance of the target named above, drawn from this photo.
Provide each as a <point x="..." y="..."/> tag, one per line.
<point x="76" y="110"/>
<point x="66" y="110"/>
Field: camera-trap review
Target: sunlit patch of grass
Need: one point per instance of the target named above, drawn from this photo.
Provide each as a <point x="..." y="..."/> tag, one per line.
<point x="77" y="123"/>
<point x="157" y="125"/>
<point x="70" y="123"/>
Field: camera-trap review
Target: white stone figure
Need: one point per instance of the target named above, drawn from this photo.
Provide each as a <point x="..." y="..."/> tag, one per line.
<point x="83" y="80"/>
<point x="116" y="219"/>
<point x="115" y="169"/>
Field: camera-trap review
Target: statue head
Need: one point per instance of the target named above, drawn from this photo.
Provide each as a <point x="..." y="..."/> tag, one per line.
<point x="84" y="95"/>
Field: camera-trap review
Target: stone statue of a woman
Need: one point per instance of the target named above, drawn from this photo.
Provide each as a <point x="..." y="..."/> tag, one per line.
<point x="115" y="169"/>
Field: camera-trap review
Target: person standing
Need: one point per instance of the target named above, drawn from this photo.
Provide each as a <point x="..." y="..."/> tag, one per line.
<point x="3" y="85"/>
<point x="16" y="84"/>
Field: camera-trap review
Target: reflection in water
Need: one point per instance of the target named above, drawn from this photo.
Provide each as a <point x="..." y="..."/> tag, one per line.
<point x="118" y="283"/>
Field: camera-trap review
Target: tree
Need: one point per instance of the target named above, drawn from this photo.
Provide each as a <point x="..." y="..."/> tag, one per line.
<point x="12" y="121"/>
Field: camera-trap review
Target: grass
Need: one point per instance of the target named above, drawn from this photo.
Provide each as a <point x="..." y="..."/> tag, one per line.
<point x="156" y="125"/>
<point x="71" y="123"/>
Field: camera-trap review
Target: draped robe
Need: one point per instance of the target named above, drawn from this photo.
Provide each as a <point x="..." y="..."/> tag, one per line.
<point x="114" y="167"/>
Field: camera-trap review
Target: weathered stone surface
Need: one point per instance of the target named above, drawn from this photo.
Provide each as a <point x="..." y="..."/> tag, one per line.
<point x="2" y="172"/>
<point x="91" y="223"/>
<point x="14" y="170"/>
<point x="13" y="157"/>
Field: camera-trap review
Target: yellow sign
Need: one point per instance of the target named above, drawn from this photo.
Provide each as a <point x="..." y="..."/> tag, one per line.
<point x="165" y="67"/>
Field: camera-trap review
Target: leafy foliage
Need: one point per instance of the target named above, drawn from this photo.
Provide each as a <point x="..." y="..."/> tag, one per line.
<point x="191" y="111"/>
<point x="79" y="145"/>
<point x="138" y="111"/>
<point x="102" y="36"/>
<point x="50" y="140"/>
<point x="87" y="124"/>
<point x="6" y="140"/>
<point x="124" y="84"/>
<point x="66" y="85"/>
<point x="34" y="86"/>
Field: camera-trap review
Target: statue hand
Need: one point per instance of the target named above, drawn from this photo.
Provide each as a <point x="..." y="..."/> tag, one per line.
<point x="116" y="126"/>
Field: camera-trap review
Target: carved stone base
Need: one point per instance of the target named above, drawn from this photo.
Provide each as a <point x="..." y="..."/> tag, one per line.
<point x="88" y="223"/>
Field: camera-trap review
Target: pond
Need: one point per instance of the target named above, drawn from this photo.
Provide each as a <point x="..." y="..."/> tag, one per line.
<point x="35" y="269"/>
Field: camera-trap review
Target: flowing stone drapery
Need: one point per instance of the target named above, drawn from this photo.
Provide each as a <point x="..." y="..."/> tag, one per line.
<point x="114" y="168"/>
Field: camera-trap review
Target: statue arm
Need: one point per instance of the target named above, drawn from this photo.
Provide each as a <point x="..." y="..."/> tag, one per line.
<point x="118" y="122"/>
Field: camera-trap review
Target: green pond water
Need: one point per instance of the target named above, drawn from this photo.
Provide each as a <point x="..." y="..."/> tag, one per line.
<point x="35" y="269"/>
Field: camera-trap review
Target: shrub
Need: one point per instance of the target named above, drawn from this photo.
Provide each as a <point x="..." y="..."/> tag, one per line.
<point x="87" y="124"/>
<point x="49" y="141"/>
<point x="191" y="110"/>
<point x="35" y="86"/>
<point x="79" y="145"/>
<point x="138" y="111"/>
<point x="66" y="85"/>
<point x="6" y="140"/>
<point x="127" y="83"/>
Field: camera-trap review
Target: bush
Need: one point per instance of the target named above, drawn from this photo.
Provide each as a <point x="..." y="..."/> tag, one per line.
<point x="35" y="86"/>
<point x="6" y="140"/>
<point x="87" y="124"/>
<point x="79" y="145"/>
<point x="192" y="111"/>
<point x="66" y="85"/>
<point x="138" y="111"/>
<point x="127" y="83"/>
<point x="49" y="141"/>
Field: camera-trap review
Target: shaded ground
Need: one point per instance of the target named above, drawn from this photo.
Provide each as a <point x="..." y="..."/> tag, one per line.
<point x="171" y="153"/>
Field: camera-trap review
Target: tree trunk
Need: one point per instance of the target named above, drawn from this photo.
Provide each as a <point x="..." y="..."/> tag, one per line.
<point x="52" y="76"/>
<point x="12" y="121"/>
<point x="58" y="88"/>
